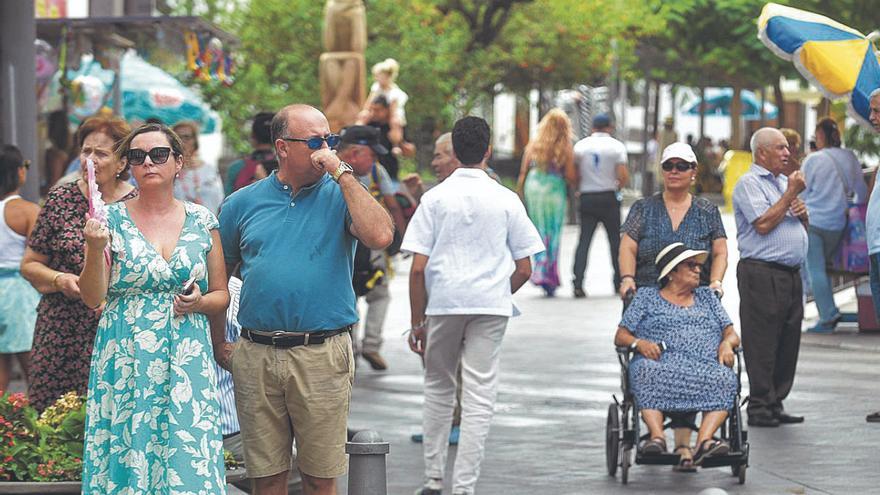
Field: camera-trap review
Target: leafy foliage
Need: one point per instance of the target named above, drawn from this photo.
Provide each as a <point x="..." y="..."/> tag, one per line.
<point x="41" y="448"/>
<point x="711" y="43"/>
<point x="453" y="53"/>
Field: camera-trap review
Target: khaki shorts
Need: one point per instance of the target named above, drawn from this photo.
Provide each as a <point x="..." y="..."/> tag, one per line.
<point x="300" y="392"/>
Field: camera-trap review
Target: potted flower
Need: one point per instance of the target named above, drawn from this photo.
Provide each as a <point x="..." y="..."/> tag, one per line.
<point x="42" y="453"/>
<point x="45" y="448"/>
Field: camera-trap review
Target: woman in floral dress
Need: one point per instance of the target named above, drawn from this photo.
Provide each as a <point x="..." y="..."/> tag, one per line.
<point x="152" y="415"/>
<point x="65" y="328"/>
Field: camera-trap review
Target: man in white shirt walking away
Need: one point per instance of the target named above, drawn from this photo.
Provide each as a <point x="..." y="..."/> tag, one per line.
<point x="601" y="163"/>
<point x="471" y="241"/>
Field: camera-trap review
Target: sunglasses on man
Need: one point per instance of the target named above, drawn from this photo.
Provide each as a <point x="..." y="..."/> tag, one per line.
<point x="158" y="155"/>
<point x="680" y="166"/>
<point x="316" y="142"/>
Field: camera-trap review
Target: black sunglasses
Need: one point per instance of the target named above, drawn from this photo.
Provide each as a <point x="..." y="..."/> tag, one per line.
<point x="158" y="155"/>
<point x="680" y="166"/>
<point x="315" y="142"/>
<point x="26" y="164"/>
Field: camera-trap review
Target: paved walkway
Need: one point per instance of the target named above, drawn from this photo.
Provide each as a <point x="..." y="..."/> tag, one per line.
<point x="559" y="372"/>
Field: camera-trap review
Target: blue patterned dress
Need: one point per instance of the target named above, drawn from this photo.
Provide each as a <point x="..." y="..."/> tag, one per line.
<point x="545" y="192"/>
<point x="688" y="376"/>
<point x="648" y="224"/>
<point x="152" y="416"/>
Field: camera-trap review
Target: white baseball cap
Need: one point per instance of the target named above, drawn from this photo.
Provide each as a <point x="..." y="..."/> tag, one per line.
<point x="678" y="150"/>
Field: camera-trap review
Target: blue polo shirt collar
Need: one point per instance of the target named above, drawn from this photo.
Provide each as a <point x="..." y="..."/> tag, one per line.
<point x="286" y="188"/>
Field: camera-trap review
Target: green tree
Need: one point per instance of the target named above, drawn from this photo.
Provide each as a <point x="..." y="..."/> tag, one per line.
<point x="453" y="53"/>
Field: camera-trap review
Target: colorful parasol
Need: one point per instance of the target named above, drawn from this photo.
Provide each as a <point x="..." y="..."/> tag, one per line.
<point x="837" y="59"/>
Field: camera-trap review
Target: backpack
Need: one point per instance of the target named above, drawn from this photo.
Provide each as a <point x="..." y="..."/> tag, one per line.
<point x="366" y="274"/>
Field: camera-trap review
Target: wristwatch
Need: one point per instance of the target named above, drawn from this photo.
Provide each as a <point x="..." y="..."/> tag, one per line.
<point x="341" y="169"/>
<point x="634" y="346"/>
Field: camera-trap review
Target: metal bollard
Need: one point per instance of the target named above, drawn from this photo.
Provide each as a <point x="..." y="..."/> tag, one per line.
<point x="366" y="471"/>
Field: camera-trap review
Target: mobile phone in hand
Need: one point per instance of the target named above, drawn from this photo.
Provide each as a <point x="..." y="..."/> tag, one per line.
<point x="188" y="286"/>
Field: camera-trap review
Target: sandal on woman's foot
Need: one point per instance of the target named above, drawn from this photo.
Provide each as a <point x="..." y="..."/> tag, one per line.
<point x="710" y="448"/>
<point x="685" y="460"/>
<point x="654" y="446"/>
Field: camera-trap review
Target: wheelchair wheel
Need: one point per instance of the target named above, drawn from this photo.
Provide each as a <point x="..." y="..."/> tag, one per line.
<point x="612" y="440"/>
<point x="739" y="470"/>
<point x="625" y="463"/>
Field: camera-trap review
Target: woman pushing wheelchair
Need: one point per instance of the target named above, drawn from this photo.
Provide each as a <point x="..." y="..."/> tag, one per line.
<point x="683" y="342"/>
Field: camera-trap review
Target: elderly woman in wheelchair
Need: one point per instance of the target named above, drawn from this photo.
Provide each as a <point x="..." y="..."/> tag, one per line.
<point x="684" y="343"/>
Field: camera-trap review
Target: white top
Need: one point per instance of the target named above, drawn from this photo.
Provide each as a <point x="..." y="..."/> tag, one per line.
<point x="12" y="243"/>
<point x="597" y="157"/>
<point x="832" y="175"/>
<point x="471" y="229"/>
<point x="201" y="185"/>
<point x="394" y="95"/>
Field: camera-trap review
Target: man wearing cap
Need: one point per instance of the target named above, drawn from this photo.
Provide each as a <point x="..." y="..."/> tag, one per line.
<point x="873" y="228"/>
<point x="292" y="236"/>
<point x="601" y="162"/>
<point x="772" y="238"/>
<point x="359" y="146"/>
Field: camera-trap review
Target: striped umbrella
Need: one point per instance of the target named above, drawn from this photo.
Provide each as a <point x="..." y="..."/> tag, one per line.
<point x="837" y="59"/>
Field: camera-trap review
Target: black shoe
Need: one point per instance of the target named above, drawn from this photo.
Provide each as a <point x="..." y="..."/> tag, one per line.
<point x="579" y="293"/>
<point x="873" y="417"/>
<point x="763" y="420"/>
<point x="788" y="419"/>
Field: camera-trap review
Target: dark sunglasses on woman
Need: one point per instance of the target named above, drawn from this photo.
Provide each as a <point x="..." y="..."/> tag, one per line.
<point x="158" y="155"/>
<point x="680" y="166"/>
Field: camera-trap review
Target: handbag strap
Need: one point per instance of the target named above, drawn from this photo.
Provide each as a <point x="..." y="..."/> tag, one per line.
<point x="848" y="195"/>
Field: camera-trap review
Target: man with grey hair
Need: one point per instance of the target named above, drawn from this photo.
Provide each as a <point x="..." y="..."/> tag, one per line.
<point x="772" y="240"/>
<point x="873" y="228"/>
<point x="874" y="102"/>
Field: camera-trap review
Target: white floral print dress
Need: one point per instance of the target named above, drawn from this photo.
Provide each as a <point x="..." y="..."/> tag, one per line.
<point x="152" y="424"/>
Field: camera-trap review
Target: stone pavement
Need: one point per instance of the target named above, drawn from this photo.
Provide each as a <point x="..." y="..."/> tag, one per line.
<point x="559" y="372"/>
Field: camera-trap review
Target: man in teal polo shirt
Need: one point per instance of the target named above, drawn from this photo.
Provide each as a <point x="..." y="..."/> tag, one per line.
<point x="291" y="236"/>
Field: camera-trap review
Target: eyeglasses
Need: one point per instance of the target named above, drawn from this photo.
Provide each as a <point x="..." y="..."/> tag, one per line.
<point x="315" y="142"/>
<point x="158" y="155"/>
<point x="693" y="265"/>
<point x="680" y="166"/>
<point x="186" y="136"/>
<point x="26" y="164"/>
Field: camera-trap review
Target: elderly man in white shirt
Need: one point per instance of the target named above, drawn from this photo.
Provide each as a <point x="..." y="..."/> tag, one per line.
<point x="471" y="239"/>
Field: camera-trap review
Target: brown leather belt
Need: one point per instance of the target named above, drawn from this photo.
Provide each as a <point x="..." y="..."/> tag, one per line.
<point x="291" y="339"/>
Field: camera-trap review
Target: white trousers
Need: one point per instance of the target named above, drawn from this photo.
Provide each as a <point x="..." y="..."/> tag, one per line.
<point x="475" y="342"/>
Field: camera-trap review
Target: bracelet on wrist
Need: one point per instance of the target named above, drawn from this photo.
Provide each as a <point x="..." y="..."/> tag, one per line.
<point x="622" y="277"/>
<point x="55" y="280"/>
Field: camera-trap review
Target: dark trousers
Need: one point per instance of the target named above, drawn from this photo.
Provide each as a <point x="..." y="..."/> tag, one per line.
<point x="771" y="309"/>
<point x="595" y="208"/>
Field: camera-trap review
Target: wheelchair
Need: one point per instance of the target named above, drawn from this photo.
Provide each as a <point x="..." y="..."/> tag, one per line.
<point x="622" y="430"/>
<point x="622" y="427"/>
